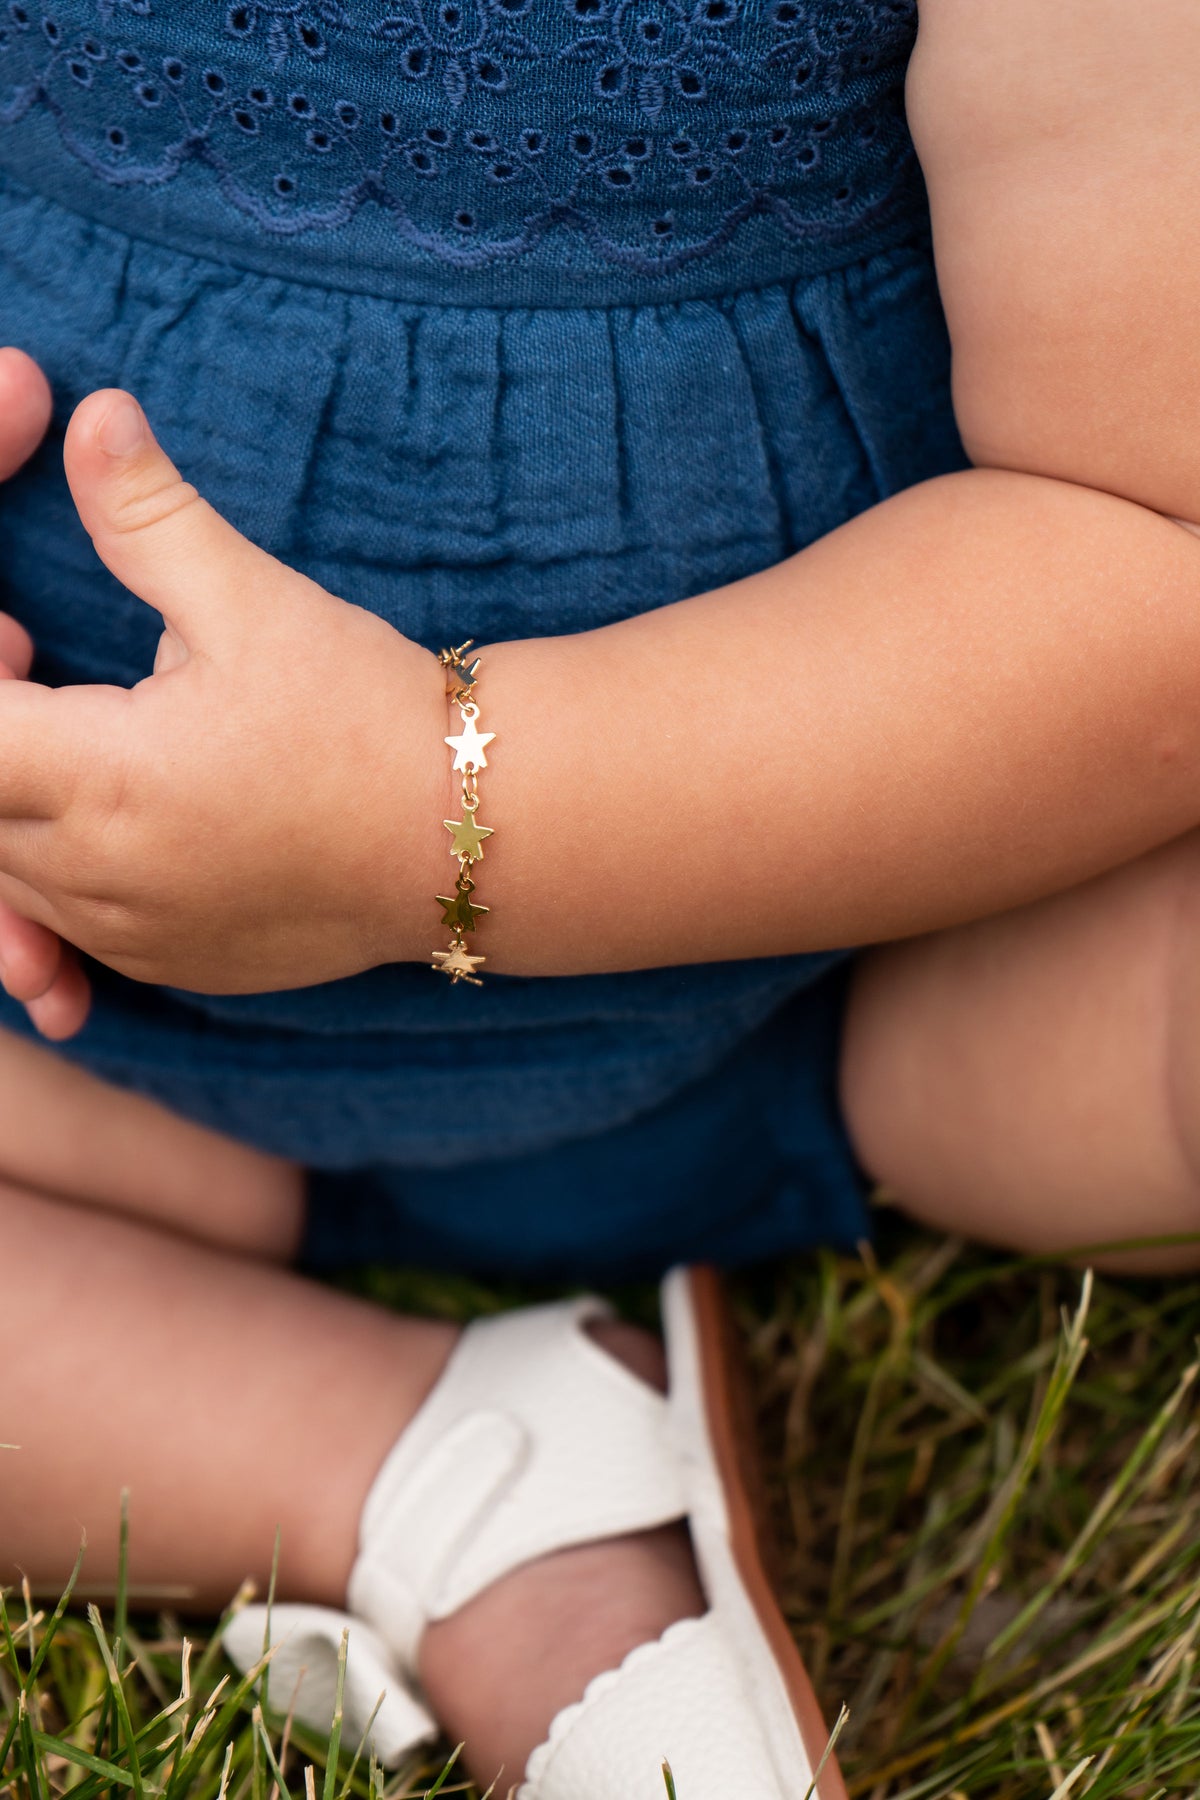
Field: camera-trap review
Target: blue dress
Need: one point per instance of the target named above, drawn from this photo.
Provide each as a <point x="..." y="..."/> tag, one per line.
<point x="501" y="318"/>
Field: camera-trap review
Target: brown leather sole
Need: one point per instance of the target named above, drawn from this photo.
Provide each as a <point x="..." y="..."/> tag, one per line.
<point x="731" y="1432"/>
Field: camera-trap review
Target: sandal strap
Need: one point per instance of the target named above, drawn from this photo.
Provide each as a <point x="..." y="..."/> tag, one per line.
<point x="533" y="1440"/>
<point x="681" y="1700"/>
<point x="305" y="1645"/>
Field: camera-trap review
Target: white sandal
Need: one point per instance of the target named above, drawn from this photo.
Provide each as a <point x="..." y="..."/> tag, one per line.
<point x="535" y="1439"/>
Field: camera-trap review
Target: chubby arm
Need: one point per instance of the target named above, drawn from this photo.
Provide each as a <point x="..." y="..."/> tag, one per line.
<point x="980" y="691"/>
<point x="986" y="688"/>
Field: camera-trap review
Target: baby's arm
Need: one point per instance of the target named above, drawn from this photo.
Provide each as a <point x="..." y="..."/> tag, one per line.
<point x="985" y="689"/>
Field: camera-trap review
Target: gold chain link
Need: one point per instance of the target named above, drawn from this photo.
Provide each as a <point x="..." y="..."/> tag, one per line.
<point x="459" y="911"/>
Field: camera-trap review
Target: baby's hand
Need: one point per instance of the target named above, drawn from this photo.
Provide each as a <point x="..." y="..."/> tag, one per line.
<point x="35" y="965"/>
<point x="264" y="810"/>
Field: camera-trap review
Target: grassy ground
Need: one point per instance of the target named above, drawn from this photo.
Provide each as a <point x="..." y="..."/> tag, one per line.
<point x="987" y="1475"/>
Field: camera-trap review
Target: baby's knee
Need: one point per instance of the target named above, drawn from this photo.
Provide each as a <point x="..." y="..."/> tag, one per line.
<point x="1034" y="1080"/>
<point x="885" y="1076"/>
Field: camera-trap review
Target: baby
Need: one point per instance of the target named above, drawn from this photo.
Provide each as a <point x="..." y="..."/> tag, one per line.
<point x="964" y="721"/>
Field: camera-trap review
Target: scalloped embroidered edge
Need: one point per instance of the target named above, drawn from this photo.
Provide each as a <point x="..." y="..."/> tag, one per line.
<point x="563" y="1722"/>
<point x="565" y="204"/>
<point x="555" y="214"/>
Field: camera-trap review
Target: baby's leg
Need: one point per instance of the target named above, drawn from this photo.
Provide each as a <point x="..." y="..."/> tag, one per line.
<point x="228" y="1395"/>
<point x="231" y="1396"/>
<point x="64" y="1132"/>
<point x="143" y="1343"/>
<point x="1034" y="1080"/>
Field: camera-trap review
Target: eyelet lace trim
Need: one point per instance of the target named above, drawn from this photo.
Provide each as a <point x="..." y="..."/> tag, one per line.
<point x="655" y="171"/>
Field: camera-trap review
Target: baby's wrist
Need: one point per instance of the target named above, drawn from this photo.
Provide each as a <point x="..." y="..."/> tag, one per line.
<point x="462" y="911"/>
<point x="407" y="791"/>
<point x="527" y="691"/>
<point x="510" y="701"/>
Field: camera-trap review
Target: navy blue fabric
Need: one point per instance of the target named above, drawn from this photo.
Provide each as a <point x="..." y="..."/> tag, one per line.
<point x="489" y="152"/>
<point x="749" y="1162"/>
<point x="547" y="419"/>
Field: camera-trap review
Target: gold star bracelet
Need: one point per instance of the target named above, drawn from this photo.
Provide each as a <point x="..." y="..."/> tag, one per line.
<point x="459" y="911"/>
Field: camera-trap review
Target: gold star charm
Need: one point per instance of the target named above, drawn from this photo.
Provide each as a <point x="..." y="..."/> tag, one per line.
<point x="458" y="964"/>
<point x="468" y="746"/>
<point x="460" y="911"/>
<point x="467" y="837"/>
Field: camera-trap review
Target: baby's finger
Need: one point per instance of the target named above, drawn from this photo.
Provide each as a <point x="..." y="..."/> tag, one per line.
<point x="62" y="1010"/>
<point x="43" y="749"/>
<point x="30" y="955"/>
<point x="36" y="966"/>
<point x="27" y="903"/>
<point x="24" y="409"/>
<point x="16" y="649"/>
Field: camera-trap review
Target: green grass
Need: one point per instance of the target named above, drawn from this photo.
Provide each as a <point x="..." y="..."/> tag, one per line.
<point x="986" y="1481"/>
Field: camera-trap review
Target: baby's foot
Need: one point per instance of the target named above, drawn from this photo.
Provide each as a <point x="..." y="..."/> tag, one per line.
<point x="498" y="1670"/>
<point x="513" y="1548"/>
<point x="517" y="1541"/>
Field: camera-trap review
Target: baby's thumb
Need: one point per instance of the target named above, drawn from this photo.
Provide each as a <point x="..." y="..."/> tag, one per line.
<point x="152" y="529"/>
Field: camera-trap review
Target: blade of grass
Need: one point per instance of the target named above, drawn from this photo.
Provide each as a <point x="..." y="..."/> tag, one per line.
<point x="839" y="1725"/>
<point x="265" y="1687"/>
<point x="1026" y="1700"/>
<point x="121" y="1608"/>
<point x="335" y="1731"/>
<point x="119" y="1701"/>
<point x="268" y="1752"/>
<point x="1064" y="1787"/>
<point x="83" y="1759"/>
<point x="444" y="1777"/>
<point x="1071" y="1354"/>
<point x="361" y="1746"/>
<point x="35" y="1771"/>
<point x="1119" y="1490"/>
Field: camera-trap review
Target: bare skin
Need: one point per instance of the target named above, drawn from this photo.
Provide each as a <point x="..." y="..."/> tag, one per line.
<point x="1032" y="1080"/>
<point x="104" y="1193"/>
<point x="221" y="1374"/>
<point x="1072" y="1097"/>
<point x="977" y="693"/>
<point x="243" y="1378"/>
<point x="1028" y="1078"/>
